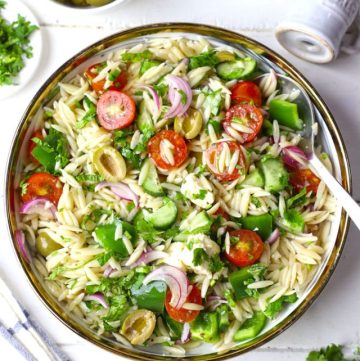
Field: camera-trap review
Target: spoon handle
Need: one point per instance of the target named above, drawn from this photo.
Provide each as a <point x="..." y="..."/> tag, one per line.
<point x="342" y="196"/>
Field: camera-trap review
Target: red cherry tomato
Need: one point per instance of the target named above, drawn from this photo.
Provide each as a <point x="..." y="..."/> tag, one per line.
<point x="179" y="151"/>
<point x="115" y="110"/>
<point x="32" y="145"/>
<point x="43" y="185"/>
<point x="183" y="315"/>
<point x="247" y="250"/>
<point x="301" y="178"/>
<point x="246" y="92"/>
<point x="241" y="115"/>
<point x="92" y="72"/>
<point x="213" y="156"/>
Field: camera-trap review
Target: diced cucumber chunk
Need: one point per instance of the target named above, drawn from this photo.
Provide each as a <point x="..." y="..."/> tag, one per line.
<point x="151" y="183"/>
<point x="286" y="113"/>
<point x="251" y="327"/>
<point x="144" y="120"/>
<point x="163" y="217"/>
<point x="255" y="178"/>
<point x="262" y="224"/>
<point x="237" y="69"/>
<point x="201" y="223"/>
<point x="275" y="174"/>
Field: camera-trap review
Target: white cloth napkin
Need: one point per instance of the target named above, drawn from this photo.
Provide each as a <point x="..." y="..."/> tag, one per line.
<point x="23" y="333"/>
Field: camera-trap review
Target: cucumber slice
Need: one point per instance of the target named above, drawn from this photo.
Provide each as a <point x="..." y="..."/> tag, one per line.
<point x="163" y="217"/>
<point x="200" y="224"/>
<point x="255" y="178"/>
<point x="144" y="120"/>
<point x="251" y="327"/>
<point x="275" y="174"/>
<point x="238" y="69"/>
<point x="151" y="183"/>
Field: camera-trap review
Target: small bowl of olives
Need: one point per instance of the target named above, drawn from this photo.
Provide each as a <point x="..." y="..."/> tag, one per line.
<point x="89" y="6"/>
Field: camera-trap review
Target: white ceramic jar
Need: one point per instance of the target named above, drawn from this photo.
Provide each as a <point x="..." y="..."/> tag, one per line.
<point x="314" y="29"/>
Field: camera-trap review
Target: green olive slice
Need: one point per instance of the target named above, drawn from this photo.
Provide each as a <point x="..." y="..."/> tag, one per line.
<point x="138" y="326"/>
<point x="98" y="2"/>
<point x="189" y="125"/>
<point x="110" y="164"/>
<point x="225" y="56"/>
<point x="45" y="244"/>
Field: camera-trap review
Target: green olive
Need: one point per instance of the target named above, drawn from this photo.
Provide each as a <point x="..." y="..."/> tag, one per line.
<point x="79" y="2"/>
<point x="110" y="164"/>
<point x="225" y="56"/>
<point x="45" y="244"/>
<point x="138" y="326"/>
<point x="189" y="125"/>
<point x="98" y="2"/>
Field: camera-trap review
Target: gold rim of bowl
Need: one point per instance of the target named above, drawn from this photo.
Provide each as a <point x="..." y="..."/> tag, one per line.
<point x="217" y="33"/>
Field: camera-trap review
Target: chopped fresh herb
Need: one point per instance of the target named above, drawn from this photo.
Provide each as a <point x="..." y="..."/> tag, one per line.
<point x="52" y="152"/>
<point x="255" y="201"/>
<point x="201" y="195"/>
<point x="215" y="264"/>
<point x="118" y="306"/>
<point x="90" y="221"/>
<point x="120" y="136"/>
<point x="297" y="200"/>
<point x="136" y="57"/>
<point x="133" y="158"/>
<point x="294" y="220"/>
<point x="273" y="308"/>
<point x="146" y="65"/>
<point x="104" y="257"/>
<point x="114" y="74"/>
<point x="89" y="115"/>
<point x="161" y="89"/>
<point x="183" y="96"/>
<point x="23" y="186"/>
<point x="56" y="272"/>
<point x="199" y="257"/>
<point x="216" y="126"/>
<point x="330" y="353"/>
<point x="207" y="58"/>
<point x="14" y="46"/>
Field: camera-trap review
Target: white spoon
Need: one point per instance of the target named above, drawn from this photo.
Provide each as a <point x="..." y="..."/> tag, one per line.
<point x="307" y="145"/>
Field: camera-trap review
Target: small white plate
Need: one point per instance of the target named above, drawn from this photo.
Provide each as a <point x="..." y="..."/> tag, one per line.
<point x="10" y="13"/>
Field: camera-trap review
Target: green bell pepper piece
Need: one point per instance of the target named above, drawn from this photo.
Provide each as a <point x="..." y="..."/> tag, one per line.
<point x="105" y="234"/>
<point x="240" y="279"/>
<point x="285" y="113"/>
<point x="223" y="316"/>
<point x="175" y="327"/>
<point x="205" y="327"/>
<point x="251" y="327"/>
<point x="262" y="224"/>
<point x="151" y="296"/>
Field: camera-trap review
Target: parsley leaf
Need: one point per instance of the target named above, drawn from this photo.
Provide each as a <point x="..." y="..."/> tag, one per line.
<point x="330" y="353"/>
<point x="199" y="257"/>
<point x="14" y="46"/>
<point x="297" y="200"/>
<point x="183" y="96"/>
<point x="294" y="220"/>
<point x="89" y="116"/>
<point x="51" y="151"/>
<point x="207" y="58"/>
<point x="273" y="308"/>
<point x="201" y="195"/>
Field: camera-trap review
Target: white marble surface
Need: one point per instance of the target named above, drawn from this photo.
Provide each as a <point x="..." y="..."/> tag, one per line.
<point x="335" y="316"/>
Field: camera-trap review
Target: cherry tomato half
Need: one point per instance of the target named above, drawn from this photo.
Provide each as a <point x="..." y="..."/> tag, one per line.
<point x="241" y="117"/>
<point x="179" y="150"/>
<point x="183" y="315"/>
<point x="115" y="110"/>
<point x="43" y="185"/>
<point x="245" y="92"/>
<point x="301" y="178"/>
<point x="32" y="145"/>
<point x="247" y="250"/>
<point x="92" y="72"/>
<point x="213" y="156"/>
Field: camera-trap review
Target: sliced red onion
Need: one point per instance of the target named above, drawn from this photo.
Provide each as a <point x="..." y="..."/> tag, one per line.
<point x="274" y="236"/>
<point x="154" y="95"/>
<point x="293" y="156"/>
<point x="108" y="271"/>
<point x="214" y="301"/>
<point x="122" y="190"/>
<point x="20" y="239"/>
<point x="41" y="206"/>
<point x="97" y="297"/>
<point x="148" y="257"/>
<point x="185" y="334"/>
<point x="177" y="84"/>
<point x="177" y="281"/>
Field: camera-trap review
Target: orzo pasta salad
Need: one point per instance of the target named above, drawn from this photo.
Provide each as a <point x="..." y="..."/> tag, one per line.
<point x="165" y="199"/>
